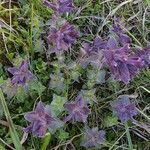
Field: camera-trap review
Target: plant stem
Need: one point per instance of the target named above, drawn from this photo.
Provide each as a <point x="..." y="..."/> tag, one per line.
<point x="12" y="130"/>
<point x="128" y="136"/>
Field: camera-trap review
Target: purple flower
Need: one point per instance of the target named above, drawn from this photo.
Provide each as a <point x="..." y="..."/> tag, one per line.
<point x="92" y="53"/>
<point x="118" y="29"/>
<point x="21" y="75"/>
<point x="60" y="6"/>
<point x="93" y="138"/>
<point x="144" y="54"/>
<point x="89" y="49"/>
<point x="40" y="120"/>
<point x="63" y="38"/>
<point x="78" y="110"/>
<point x="124" y="109"/>
<point x="123" y="64"/>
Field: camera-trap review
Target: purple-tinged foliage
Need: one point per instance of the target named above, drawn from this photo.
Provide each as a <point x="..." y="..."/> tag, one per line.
<point x="99" y="43"/>
<point x="93" y="138"/>
<point x="118" y="29"/>
<point x="92" y="53"/>
<point x="66" y="6"/>
<point x="40" y="120"/>
<point x="122" y="63"/>
<point x="78" y="110"/>
<point x="93" y="48"/>
<point x="124" y="109"/>
<point x="62" y="38"/>
<point x="144" y="54"/>
<point x="21" y="75"/>
<point x="60" y="6"/>
<point x="112" y="43"/>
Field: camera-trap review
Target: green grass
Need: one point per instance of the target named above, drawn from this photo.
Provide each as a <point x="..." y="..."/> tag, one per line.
<point x="12" y="129"/>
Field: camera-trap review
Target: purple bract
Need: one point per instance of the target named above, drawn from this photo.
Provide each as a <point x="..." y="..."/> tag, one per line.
<point x="124" y="109"/>
<point x="119" y="30"/>
<point x="78" y="110"/>
<point x="63" y="38"/>
<point x="21" y="75"/>
<point x="122" y="63"/>
<point x="144" y="54"/>
<point x="93" y="138"/>
<point x="92" y="53"/>
<point x="40" y="119"/>
<point x="60" y="6"/>
<point x="93" y="48"/>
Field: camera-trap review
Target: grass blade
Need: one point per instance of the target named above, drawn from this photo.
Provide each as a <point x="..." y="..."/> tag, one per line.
<point x="142" y="113"/>
<point x="128" y="137"/>
<point x="119" y="6"/>
<point x="12" y="130"/>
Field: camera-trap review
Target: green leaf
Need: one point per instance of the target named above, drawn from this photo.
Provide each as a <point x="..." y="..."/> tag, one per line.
<point x="2" y="81"/>
<point x="21" y="94"/>
<point x="2" y="148"/>
<point x="110" y="121"/>
<point x="89" y="95"/>
<point x="57" y="82"/>
<point x="57" y="105"/>
<point x="63" y="135"/>
<point x="101" y="77"/>
<point x="148" y="2"/>
<point x="37" y="86"/>
<point x="9" y="89"/>
<point x="10" y="56"/>
<point x="55" y="126"/>
<point x="45" y="141"/>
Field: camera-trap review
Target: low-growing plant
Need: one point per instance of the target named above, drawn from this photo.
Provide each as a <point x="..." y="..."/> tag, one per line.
<point x="74" y="75"/>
